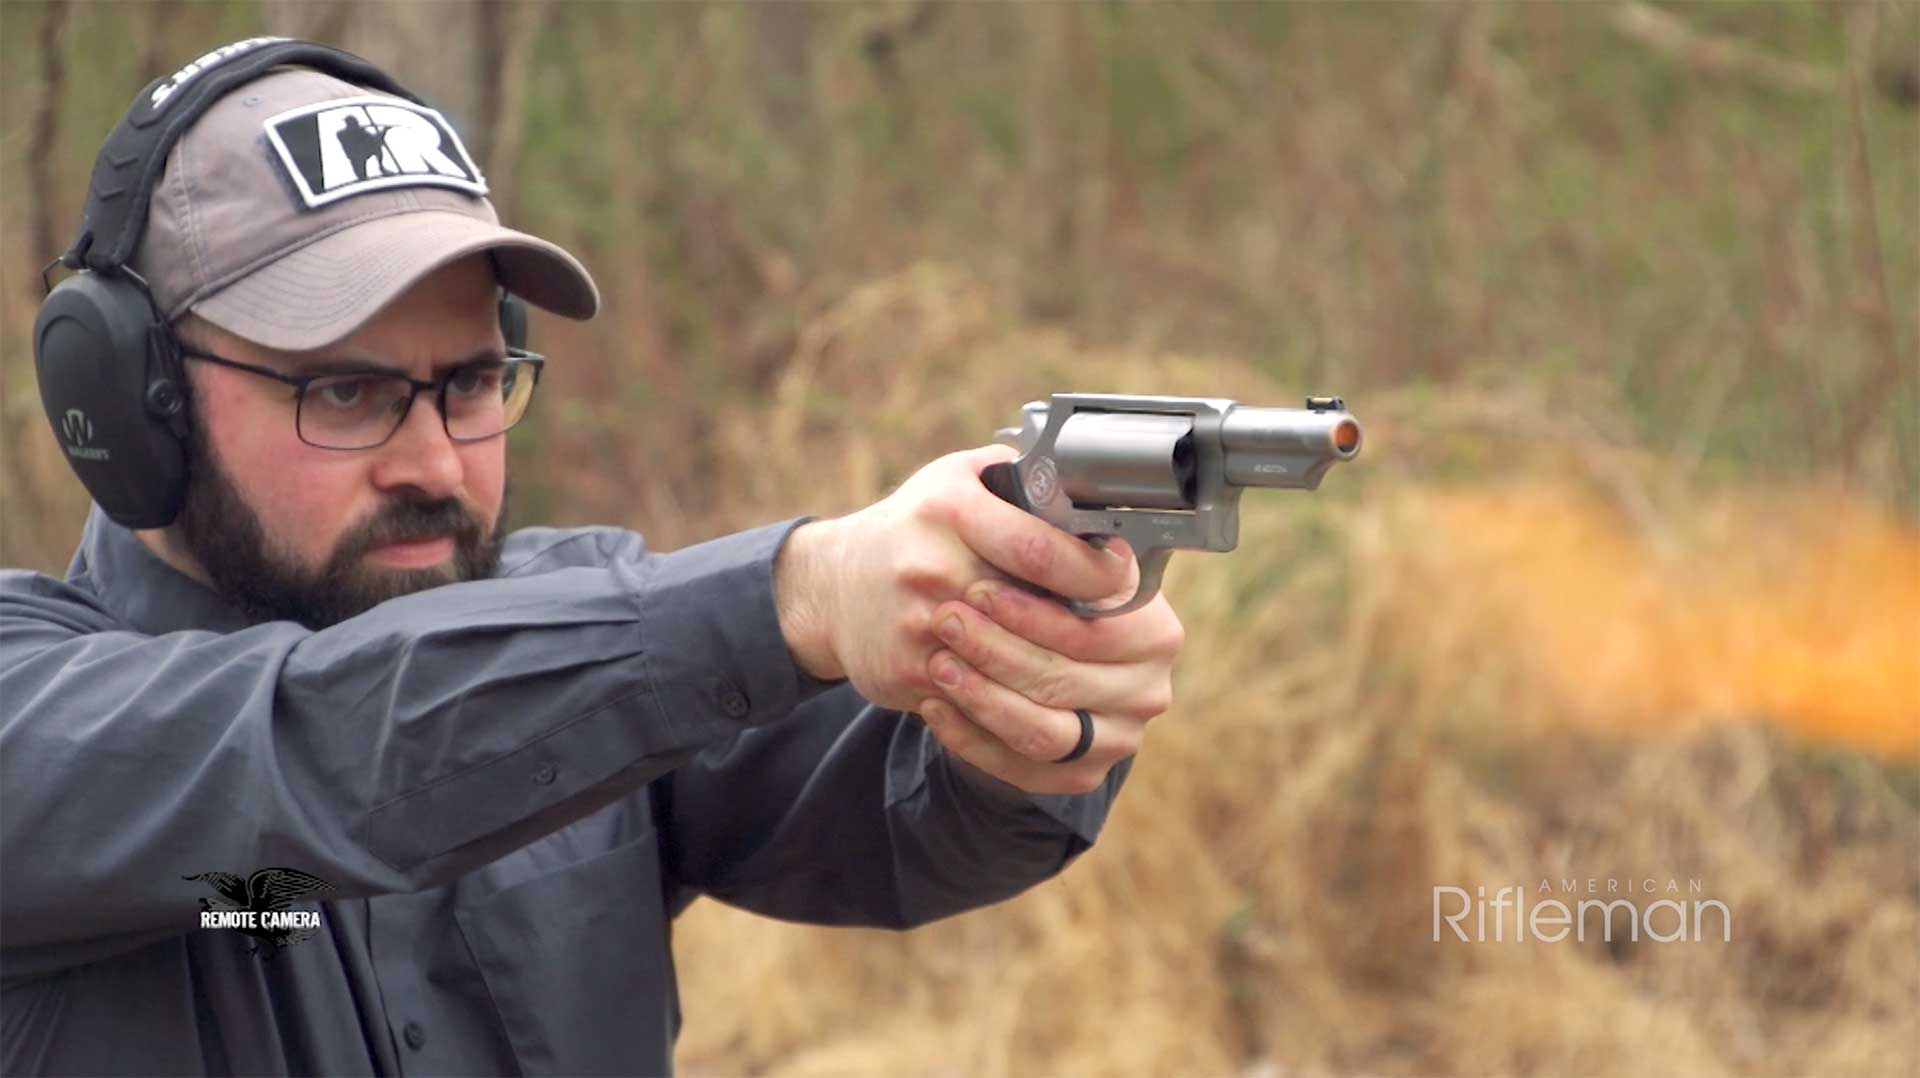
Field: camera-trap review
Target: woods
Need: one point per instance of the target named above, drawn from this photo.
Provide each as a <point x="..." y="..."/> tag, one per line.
<point x="1626" y="584"/>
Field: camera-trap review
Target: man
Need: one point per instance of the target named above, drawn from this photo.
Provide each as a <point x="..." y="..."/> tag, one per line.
<point x="501" y="761"/>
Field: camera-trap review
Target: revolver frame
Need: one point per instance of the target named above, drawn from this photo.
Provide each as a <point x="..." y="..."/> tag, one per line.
<point x="1209" y="519"/>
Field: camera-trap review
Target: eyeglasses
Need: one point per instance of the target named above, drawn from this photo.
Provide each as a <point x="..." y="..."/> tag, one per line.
<point x="362" y="409"/>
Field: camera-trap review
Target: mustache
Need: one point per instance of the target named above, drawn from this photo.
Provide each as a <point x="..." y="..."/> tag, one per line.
<point x="410" y="519"/>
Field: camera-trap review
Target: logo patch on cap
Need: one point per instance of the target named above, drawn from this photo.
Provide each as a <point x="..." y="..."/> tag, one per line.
<point x="337" y="149"/>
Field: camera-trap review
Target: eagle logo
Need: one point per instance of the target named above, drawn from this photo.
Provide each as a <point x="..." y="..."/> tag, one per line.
<point x="267" y="892"/>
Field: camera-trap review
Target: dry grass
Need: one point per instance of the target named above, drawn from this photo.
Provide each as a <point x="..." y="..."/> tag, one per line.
<point x="1577" y="671"/>
<point x="1613" y="592"/>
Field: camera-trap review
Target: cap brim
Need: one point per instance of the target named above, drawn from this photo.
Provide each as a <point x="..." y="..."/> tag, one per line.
<point x="320" y="293"/>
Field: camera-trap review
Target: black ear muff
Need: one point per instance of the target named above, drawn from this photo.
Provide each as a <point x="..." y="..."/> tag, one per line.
<point x="109" y="367"/>
<point x="513" y="320"/>
<point x="115" y="396"/>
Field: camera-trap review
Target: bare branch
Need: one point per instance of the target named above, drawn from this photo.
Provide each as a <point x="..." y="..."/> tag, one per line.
<point x="1717" y="55"/>
<point x="507" y="33"/>
<point x="40" y="150"/>
<point x="1870" y="398"/>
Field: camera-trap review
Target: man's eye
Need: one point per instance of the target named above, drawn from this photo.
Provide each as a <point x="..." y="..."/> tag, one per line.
<point x="344" y="393"/>
<point x="475" y="381"/>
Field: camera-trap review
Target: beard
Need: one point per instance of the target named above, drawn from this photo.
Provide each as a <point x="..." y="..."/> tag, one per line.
<point x="266" y="581"/>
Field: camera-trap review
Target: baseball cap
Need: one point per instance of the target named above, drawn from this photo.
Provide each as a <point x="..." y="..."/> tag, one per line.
<point x="300" y="205"/>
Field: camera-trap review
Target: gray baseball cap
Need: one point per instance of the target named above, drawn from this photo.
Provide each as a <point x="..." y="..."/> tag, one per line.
<point x="300" y="205"/>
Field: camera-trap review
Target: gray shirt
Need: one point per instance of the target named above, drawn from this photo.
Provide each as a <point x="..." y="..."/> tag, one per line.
<point x="513" y="785"/>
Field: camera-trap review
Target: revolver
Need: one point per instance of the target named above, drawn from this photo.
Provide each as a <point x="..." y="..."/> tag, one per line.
<point x="1164" y="473"/>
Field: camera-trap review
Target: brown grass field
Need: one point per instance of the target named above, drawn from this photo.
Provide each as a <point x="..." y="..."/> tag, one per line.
<point x="1625" y="585"/>
<point x="1579" y="669"/>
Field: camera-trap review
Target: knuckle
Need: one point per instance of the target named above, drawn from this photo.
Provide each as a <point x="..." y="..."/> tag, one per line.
<point x="1155" y="702"/>
<point x="1175" y="635"/>
<point x="1126" y="741"/>
<point x="947" y="463"/>
<point x="1037" y="743"/>
<point x="950" y="730"/>
<point x="1083" y="780"/>
<point x="1088" y="639"/>
<point x="921" y="573"/>
<point x="908" y="676"/>
<point x="1050" y="683"/>
<point x="1099" y="640"/>
<point x="974" y="626"/>
<point x="911" y="623"/>
<point x="937" y="509"/>
<point x="1013" y="610"/>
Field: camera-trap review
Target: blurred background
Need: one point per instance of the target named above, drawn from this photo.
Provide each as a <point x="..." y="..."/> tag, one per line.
<point x="1625" y="585"/>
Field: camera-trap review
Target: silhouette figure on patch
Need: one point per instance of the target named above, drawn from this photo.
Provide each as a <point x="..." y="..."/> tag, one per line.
<point x="362" y="142"/>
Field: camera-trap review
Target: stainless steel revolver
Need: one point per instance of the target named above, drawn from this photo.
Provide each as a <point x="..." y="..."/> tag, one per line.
<point x="1164" y="473"/>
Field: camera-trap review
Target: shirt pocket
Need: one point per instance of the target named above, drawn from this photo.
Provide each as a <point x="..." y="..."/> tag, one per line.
<point x="579" y="964"/>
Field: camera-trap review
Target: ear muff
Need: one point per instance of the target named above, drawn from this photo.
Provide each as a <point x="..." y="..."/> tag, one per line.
<point x="109" y="367"/>
<point x="115" y="392"/>
<point x="111" y="383"/>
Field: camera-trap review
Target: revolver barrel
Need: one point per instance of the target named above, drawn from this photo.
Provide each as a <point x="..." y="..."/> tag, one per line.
<point x="1287" y="447"/>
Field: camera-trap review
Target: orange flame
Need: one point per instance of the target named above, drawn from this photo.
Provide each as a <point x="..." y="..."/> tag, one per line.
<point x="1808" y="612"/>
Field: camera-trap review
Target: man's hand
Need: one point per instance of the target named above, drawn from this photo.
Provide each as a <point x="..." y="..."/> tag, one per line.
<point x="858" y="597"/>
<point x="1017" y="665"/>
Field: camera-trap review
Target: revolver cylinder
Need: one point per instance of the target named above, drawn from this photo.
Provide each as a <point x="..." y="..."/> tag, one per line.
<point x="1133" y="459"/>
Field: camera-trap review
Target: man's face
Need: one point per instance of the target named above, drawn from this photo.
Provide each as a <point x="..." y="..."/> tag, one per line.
<point x="289" y="531"/>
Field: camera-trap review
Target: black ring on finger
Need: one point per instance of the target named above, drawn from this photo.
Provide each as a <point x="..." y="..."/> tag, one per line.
<point x="1086" y="737"/>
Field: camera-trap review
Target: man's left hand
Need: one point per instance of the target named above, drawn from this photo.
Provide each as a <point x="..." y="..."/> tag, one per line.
<point x="1015" y="667"/>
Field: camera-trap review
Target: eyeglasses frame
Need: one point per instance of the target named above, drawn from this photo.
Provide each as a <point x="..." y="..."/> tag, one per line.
<point x="439" y="385"/>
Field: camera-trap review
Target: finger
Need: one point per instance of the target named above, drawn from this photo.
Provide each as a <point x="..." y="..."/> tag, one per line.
<point x="1041" y="734"/>
<point x="968" y="740"/>
<point x="1028" y="548"/>
<point x="1122" y="550"/>
<point x="1049" y="678"/>
<point x="971" y="742"/>
<point x="1151" y="632"/>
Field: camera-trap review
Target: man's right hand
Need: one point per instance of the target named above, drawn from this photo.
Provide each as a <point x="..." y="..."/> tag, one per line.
<point x="856" y="595"/>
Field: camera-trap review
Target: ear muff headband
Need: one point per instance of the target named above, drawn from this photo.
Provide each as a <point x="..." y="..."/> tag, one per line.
<point x="135" y="153"/>
<point x="513" y="320"/>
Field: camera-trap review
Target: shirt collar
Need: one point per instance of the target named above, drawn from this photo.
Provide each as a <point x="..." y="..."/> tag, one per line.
<point x="143" y="591"/>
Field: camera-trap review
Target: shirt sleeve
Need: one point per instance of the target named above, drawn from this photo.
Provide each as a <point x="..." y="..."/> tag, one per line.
<point x="854" y="815"/>
<point x="392" y="752"/>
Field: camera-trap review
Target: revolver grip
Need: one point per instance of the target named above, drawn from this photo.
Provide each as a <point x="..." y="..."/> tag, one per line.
<point x="1004" y="480"/>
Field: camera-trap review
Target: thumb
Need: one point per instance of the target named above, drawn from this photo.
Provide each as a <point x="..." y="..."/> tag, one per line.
<point x="976" y="460"/>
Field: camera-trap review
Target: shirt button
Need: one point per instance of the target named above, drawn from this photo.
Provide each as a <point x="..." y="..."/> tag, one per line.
<point x="414" y="1035"/>
<point x="546" y="774"/>
<point x="735" y="704"/>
